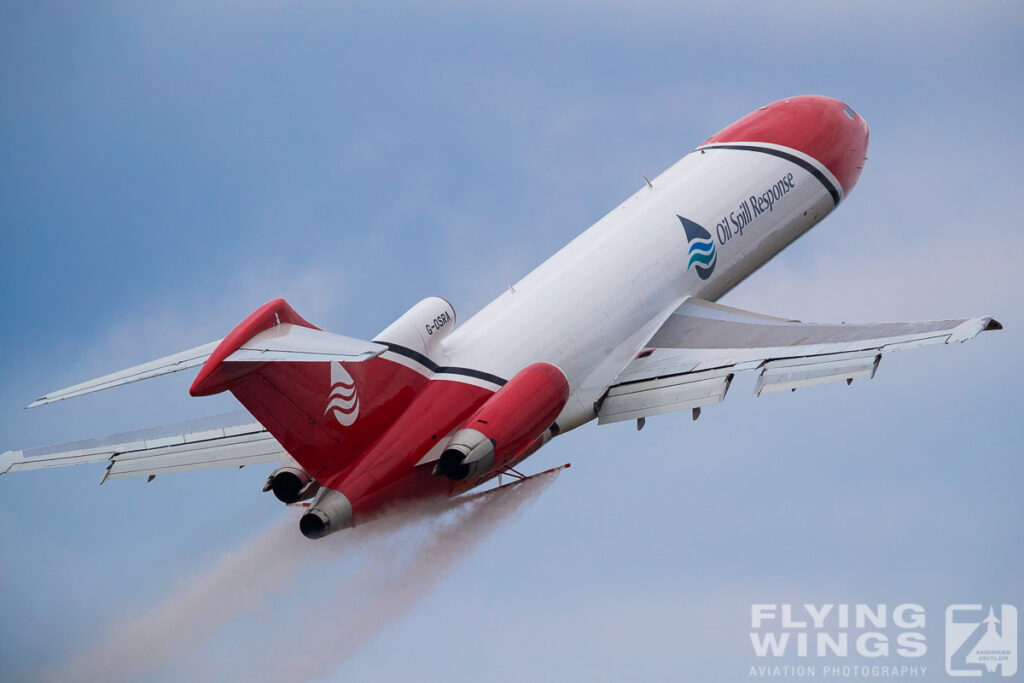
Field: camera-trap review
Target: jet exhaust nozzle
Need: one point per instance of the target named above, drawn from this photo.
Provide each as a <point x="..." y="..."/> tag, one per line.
<point x="291" y="483"/>
<point x="286" y="486"/>
<point x="469" y="454"/>
<point x="330" y="512"/>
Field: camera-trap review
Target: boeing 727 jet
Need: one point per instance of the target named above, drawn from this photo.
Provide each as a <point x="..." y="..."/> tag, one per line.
<point x="620" y="324"/>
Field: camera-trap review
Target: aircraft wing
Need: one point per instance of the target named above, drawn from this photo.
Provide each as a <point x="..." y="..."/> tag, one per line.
<point x="231" y="440"/>
<point x="691" y="359"/>
<point x="284" y="342"/>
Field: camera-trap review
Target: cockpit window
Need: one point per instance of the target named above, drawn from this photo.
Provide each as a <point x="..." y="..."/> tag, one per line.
<point x="850" y="112"/>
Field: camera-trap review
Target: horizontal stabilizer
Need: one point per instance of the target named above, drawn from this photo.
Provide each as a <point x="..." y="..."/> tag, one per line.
<point x="279" y="341"/>
<point x="162" y="366"/>
<point x="295" y="343"/>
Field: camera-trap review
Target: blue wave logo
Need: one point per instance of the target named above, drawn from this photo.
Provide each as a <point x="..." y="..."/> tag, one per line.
<point x="703" y="255"/>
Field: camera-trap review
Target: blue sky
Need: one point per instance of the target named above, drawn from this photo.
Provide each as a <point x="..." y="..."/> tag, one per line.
<point x="166" y="168"/>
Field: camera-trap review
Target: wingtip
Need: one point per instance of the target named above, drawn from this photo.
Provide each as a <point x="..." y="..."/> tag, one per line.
<point x="41" y="401"/>
<point x="7" y="459"/>
<point x="969" y="329"/>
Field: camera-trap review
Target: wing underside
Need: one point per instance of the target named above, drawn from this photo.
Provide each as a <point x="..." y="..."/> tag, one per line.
<point x="231" y="440"/>
<point x="690" y="361"/>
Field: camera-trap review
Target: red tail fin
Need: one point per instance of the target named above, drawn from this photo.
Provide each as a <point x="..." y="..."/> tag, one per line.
<point x="323" y="412"/>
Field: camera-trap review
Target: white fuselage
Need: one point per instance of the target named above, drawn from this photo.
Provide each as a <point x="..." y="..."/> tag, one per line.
<point x="590" y="307"/>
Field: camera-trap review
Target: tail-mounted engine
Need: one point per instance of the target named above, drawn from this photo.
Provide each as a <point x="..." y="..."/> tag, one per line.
<point x="421" y="328"/>
<point x="290" y="482"/>
<point x="330" y="512"/>
<point x="512" y="420"/>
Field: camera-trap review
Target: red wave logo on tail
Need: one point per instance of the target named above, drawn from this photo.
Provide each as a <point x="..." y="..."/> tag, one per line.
<point x="343" y="401"/>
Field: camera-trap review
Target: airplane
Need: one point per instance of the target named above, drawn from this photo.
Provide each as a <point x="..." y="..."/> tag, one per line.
<point x="620" y="324"/>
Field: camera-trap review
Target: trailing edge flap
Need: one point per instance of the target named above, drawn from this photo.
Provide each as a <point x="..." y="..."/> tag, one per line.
<point x="229" y="440"/>
<point x="690" y="360"/>
<point x="283" y="342"/>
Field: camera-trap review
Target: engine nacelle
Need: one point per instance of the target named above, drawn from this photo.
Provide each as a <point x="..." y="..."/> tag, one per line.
<point x="290" y="483"/>
<point x="422" y="327"/>
<point x="511" y="420"/>
<point x="330" y="512"/>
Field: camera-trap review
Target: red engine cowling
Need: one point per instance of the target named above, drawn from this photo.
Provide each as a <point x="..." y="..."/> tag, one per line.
<point x="507" y="424"/>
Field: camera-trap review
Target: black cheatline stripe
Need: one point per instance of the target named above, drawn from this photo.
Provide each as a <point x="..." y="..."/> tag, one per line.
<point x="470" y="372"/>
<point x="409" y="353"/>
<point x="435" y="368"/>
<point x="788" y="157"/>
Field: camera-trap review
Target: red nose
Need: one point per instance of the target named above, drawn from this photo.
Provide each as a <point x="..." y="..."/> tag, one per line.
<point x="821" y="127"/>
